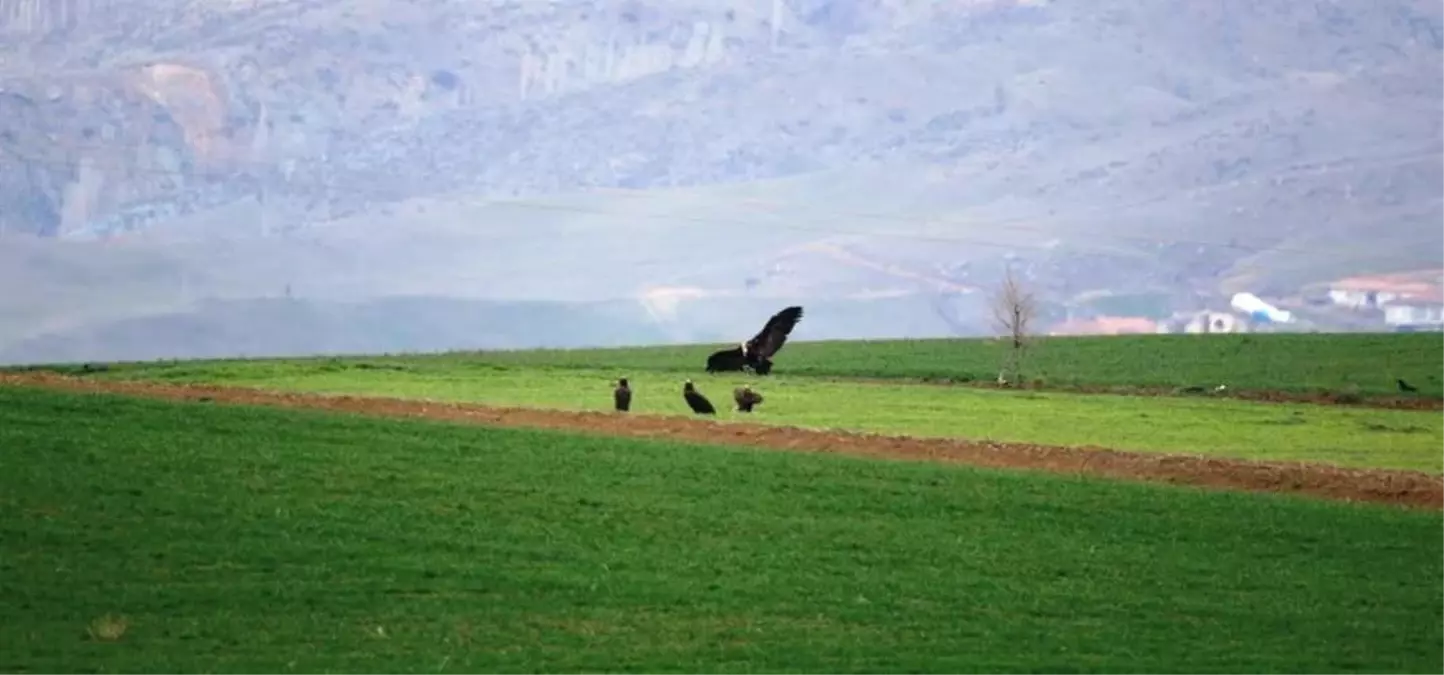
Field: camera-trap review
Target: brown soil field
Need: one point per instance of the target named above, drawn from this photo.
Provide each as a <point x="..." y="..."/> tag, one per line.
<point x="1401" y="488"/>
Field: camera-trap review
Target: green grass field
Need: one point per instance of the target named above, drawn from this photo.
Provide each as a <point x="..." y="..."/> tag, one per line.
<point x="1365" y="364"/>
<point x="1347" y="436"/>
<point x="247" y="539"/>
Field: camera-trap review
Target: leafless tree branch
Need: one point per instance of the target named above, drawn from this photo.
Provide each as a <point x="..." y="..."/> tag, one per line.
<point x="1014" y="310"/>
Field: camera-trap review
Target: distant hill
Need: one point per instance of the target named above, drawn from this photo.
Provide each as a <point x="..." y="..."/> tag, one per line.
<point x="288" y="327"/>
<point x="815" y="149"/>
<point x="280" y="327"/>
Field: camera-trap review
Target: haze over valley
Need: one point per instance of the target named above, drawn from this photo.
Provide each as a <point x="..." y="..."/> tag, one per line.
<point x="196" y="178"/>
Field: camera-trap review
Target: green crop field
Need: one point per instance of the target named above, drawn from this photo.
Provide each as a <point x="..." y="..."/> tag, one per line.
<point x="1347" y="436"/>
<point x="144" y="536"/>
<point x="1363" y="364"/>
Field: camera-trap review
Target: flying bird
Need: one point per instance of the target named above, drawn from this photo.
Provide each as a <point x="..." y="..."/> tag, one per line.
<point x="696" y="400"/>
<point x="746" y="398"/>
<point x="757" y="353"/>
<point x="1405" y="386"/>
<point x="622" y="395"/>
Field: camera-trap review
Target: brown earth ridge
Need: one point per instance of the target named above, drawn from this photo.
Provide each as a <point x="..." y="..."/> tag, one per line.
<point x="1401" y="488"/>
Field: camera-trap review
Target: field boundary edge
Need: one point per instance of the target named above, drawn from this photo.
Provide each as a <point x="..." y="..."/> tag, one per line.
<point x="1325" y="398"/>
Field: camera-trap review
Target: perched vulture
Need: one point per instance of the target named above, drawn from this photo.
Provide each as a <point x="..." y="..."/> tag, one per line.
<point x="622" y="396"/>
<point x="696" y="400"/>
<point x="746" y="398"/>
<point x="757" y="353"/>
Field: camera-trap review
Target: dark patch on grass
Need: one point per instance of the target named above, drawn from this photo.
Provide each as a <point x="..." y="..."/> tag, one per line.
<point x="366" y="365"/>
<point x="1409" y="429"/>
<point x="1286" y="421"/>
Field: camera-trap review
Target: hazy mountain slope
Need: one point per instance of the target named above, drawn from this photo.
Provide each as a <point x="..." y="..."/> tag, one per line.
<point x="282" y="327"/>
<point x="279" y="327"/>
<point x="353" y="147"/>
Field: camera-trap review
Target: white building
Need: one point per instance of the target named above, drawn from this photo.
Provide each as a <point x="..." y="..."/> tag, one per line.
<point x="1373" y="292"/>
<point x="1359" y="298"/>
<point x="1414" y="314"/>
<point x="1255" y="308"/>
<point x="1204" y="322"/>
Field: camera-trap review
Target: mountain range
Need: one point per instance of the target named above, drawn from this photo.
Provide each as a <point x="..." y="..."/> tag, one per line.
<point x="218" y="177"/>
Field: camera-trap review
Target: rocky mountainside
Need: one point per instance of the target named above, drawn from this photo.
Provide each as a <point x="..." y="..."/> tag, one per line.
<point x="687" y="149"/>
<point x="135" y="111"/>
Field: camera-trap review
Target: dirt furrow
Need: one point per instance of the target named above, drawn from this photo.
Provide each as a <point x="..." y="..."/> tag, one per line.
<point x="1403" y="488"/>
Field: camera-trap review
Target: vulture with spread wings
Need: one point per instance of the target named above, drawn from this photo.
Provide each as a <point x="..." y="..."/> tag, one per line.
<point x="757" y="353"/>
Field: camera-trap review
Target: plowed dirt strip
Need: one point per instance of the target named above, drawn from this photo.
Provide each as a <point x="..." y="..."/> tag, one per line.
<point x="1404" y="488"/>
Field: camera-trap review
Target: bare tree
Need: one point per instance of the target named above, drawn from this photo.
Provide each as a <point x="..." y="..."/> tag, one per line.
<point x="1014" y="309"/>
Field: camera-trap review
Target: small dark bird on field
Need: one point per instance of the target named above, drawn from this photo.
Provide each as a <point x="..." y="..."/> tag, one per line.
<point x="746" y="398"/>
<point x="1405" y="386"/>
<point x="757" y="353"/>
<point x="696" y="400"/>
<point x="622" y="395"/>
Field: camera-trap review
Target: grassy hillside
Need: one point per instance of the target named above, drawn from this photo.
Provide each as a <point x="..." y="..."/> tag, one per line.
<point x="1366" y="364"/>
<point x="151" y="536"/>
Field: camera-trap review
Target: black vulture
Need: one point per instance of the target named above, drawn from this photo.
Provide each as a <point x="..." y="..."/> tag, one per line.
<point x="757" y="353"/>
<point x="726" y="360"/>
<point x="1405" y="386"/>
<point x="696" y="400"/>
<point x="745" y="398"/>
<point x="622" y="395"/>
